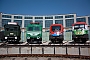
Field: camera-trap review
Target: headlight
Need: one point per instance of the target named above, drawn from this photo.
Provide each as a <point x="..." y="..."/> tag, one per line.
<point x="28" y="37"/>
<point x="38" y="37"/>
<point x="5" y="37"/>
<point x="15" y="37"/>
<point x="38" y="34"/>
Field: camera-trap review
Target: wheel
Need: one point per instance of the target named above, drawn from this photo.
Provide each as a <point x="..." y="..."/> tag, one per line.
<point x="60" y="41"/>
<point x="84" y="40"/>
<point x="75" y="40"/>
<point x="52" y="41"/>
<point x="40" y="41"/>
<point x="28" y="40"/>
<point x="17" y="42"/>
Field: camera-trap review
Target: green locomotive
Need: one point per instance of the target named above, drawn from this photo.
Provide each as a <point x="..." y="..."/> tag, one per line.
<point x="80" y="32"/>
<point x="34" y="33"/>
<point x="12" y="32"/>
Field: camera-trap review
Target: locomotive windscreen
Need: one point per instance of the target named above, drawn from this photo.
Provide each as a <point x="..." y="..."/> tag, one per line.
<point x="56" y="28"/>
<point x="36" y="28"/>
<point x="12" y="28"/>
<point x="30" y="28"/>
<point x="79" y="26"/>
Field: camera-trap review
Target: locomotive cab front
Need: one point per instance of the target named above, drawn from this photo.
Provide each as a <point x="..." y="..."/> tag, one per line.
<point x="80" y="32"/>
<point x="56" y="33"/>
<point x="12" y="33"/>
<point x="34" y="33"/>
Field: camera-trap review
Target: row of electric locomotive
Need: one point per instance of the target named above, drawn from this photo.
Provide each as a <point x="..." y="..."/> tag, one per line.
<point x="12" y="33"/>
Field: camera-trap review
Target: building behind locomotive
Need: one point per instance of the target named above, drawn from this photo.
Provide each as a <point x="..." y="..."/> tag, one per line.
<point x="56" y="33"/>
<point x="34" y="33"/>
<point x="12" y="32"/>
<point x="80" y="32"/>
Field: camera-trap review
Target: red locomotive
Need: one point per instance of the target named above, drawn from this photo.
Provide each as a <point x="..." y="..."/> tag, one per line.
<point x="56" y="33"/>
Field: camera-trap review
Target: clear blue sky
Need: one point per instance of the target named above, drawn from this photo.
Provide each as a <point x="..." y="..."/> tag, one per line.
<point x="45" y="7"/>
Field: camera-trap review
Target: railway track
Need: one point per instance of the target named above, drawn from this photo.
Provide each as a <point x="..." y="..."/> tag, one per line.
<point x="46" y="55"/>
<point x="49" y="43"/>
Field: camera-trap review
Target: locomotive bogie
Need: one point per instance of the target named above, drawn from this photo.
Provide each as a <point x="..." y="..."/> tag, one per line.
<point x="80" y="38"/>
<point x="56" y="39"/>
<point x="34" y="40"/>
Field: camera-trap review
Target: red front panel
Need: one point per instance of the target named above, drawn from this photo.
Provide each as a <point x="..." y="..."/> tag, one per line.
<point x="59" y="31"/>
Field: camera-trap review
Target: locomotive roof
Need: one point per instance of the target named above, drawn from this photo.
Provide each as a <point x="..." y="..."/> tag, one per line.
<point x="56" y="24"/>
<point x="34" y="25"/>
<point x="10" y="25"/>
<point x="79" y="23"/>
